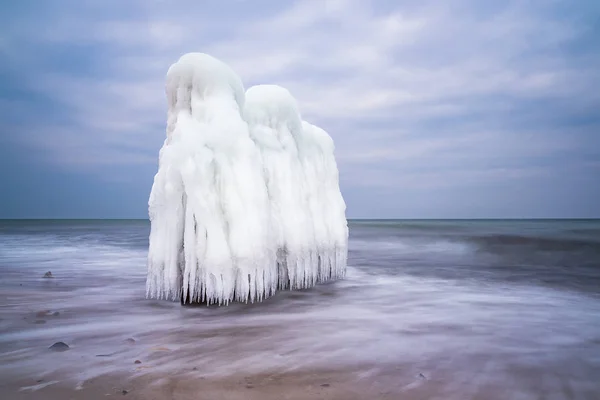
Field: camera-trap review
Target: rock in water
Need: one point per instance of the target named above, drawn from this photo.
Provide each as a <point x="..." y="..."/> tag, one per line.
<point x="48" y="275"/>
<point x="59" y="346"/>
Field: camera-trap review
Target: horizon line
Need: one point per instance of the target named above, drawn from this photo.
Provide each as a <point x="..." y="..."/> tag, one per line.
<point x="348" y="219"/>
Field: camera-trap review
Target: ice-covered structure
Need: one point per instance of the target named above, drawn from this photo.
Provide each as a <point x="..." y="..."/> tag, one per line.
<point x="302" y="181"/>
<point x="246" y="199"/>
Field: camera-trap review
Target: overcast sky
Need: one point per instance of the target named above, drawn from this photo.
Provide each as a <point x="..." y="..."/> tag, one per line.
<point x="438" y="109"/>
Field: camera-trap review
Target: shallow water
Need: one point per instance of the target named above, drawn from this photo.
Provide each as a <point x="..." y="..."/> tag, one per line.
<point x="509" y="308"/>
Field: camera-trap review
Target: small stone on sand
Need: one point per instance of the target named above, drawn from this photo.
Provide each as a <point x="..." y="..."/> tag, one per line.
<point x="48" y="275"/>
<point x="325" y="385"/>
<point x="59" y="346"/>
<point x="124" y="392"/>
<point x="130" y="341"/>
<point x="137" y="362"/>
<point x="42" y="313"/>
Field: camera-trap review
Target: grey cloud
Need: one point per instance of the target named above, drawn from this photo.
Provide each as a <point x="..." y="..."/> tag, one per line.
<point x="417" y="95"/>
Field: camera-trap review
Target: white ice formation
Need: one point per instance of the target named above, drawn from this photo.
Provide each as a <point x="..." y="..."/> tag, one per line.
<point x="246" y="200"/>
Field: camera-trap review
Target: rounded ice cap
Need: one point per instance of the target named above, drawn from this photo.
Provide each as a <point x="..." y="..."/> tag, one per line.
<point x="272" y="105"/>
<point x="198" y="74"/>
<point x="318" y="136"/>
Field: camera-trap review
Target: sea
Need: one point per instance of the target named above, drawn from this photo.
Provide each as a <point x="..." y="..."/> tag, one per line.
<point x="495" y="309"/>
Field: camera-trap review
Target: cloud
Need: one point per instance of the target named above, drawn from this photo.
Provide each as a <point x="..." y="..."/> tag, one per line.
<point x="415" y="94"/>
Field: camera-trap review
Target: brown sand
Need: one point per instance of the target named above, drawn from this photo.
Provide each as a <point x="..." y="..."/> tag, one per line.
<point x="339" y="384"/>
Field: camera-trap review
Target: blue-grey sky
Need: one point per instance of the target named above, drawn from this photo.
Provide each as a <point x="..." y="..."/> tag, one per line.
<point x="438" y="109"/>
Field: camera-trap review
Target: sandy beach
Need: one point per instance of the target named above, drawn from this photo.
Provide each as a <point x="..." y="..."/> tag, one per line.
<point x="314" y="384"/>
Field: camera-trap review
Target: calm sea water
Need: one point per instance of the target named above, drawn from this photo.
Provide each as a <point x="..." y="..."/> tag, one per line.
<point x="509" y="308"/>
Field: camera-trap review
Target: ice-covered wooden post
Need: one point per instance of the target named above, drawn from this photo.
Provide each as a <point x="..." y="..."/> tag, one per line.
<point x="246" y="199"/>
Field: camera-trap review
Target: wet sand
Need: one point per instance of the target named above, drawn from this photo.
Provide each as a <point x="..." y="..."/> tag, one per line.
<point x="361" y="383"/>
<point x="289" y="347"/>
<point x="299" y="385"/>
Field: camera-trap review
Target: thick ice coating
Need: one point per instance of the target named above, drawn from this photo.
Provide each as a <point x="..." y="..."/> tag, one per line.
<point x="326" y="203"/>
<point x="300" y="172"/>
<point x="238" y="206"/>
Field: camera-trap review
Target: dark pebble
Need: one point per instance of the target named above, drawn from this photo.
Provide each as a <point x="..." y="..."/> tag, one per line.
<point x="48" y="275"/>
<point x="422" y="376"/>
<point x="137" y="362"/>
<point x="249" y="386"/>
<point x="130" y="341"/>
<point x="325" y="385"/>
<point x="195" y="369"/>
<point x="124" y="392"/>
<point x="59" y="346"/>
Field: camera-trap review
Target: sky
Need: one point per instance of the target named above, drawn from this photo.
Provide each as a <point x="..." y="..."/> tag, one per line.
<point x="438" y="109"/>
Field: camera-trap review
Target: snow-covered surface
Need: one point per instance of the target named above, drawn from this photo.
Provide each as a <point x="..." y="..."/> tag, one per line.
<point x="246" y="199"/>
